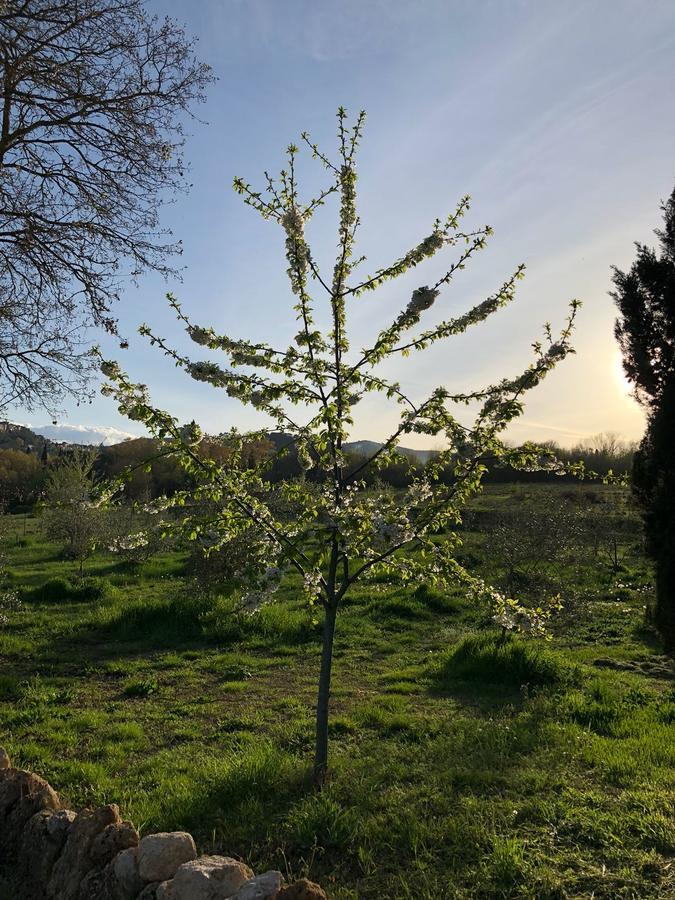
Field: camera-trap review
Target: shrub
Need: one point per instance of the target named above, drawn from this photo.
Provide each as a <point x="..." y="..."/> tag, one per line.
<point x="398" y="608"/>
<point x="218" y="570"/>
<point x="505" y="865"/>
<point x="92" y="589"/>
<point x="186" y="616"/>
<point x="603" y="709"/>
<point x="55" y="590"/>
<point x="234" y="671"/>
<point x="279" y="623"/>
<point x="276" y="622"/>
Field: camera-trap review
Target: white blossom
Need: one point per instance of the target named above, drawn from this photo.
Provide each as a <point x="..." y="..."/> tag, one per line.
<point x="312" y="584"/>
<point x="201" y="336"/>
<point x="419" y="492"/>
<point x="191" y="434"/>
<point x="304" y="457"/>
<point x="209" y="372"/>
<point x="111" y="369"/>
<point x="422" y="298"/>
<point x="9" y="602"/>
<point x="129" y="542"/>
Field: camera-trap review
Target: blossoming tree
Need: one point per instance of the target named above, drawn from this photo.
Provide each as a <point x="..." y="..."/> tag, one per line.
<point x="340" y="530"/>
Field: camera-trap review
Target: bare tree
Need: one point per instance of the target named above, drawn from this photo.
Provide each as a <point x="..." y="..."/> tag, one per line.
<point x="93" y="97"/>
<point x="531" y="552"/>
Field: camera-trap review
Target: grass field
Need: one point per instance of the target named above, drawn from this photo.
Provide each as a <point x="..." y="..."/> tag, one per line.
<point x="463" y="766"/>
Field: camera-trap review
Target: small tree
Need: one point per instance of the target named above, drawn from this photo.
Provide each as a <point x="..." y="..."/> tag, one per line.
<point x="340" y="531"/>
<point x="71" y="515"/>
<point x="533" y="550"/>
<point x="645" y="329"/>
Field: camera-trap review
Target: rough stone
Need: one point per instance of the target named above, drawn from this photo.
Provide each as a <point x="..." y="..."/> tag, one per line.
<point x="160" y="855"/>
<point x="104" y="883"/>
<point x="262" y="887"/>
<point x="22" y="795"/>
<point x="112" y="840"/>
<point x="19" y="787"/>
<point x="75" y="862"/>
<point x="302" y="890"/>
<point x="98" y="884"/>
<point x="57" y="854"/>
<point x="210" y="878"/>
<point x="44" y="836"/>
<point x="128" y="882"/>
<point x="59" y="823"/>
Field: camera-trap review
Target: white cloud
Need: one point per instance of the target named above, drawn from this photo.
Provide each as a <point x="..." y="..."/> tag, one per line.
<point x="83" y="434"/>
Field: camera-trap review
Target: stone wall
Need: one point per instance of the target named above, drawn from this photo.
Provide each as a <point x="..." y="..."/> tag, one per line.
<point x="52" y="853"/>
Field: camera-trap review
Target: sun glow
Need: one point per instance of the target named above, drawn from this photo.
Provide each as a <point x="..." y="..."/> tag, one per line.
<point x="622" y="382"/>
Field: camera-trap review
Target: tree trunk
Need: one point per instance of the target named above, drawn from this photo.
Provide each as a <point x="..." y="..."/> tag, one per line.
<point x="321" y="751"/>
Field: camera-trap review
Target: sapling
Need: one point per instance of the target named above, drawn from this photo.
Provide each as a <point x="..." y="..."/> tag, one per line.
<point x="343" y="528"/>
<point x="70" y="512"/>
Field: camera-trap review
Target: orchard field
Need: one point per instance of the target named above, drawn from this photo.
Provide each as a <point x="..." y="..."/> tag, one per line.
<point x="464" y="763"/>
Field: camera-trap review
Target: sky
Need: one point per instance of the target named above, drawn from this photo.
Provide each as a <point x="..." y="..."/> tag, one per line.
<point x="557" y="118"/>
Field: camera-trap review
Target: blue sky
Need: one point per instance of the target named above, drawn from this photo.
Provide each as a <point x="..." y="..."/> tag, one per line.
<point x="557" y="118"/>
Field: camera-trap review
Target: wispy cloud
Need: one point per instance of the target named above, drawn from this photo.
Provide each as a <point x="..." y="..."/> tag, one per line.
<point x="319" y="31"/>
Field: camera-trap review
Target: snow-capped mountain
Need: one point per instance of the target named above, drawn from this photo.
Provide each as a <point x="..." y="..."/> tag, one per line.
<point x="83" y="434"/>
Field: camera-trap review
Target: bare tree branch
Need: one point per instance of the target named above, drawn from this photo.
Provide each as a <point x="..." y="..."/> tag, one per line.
<point x="93" y="94"/>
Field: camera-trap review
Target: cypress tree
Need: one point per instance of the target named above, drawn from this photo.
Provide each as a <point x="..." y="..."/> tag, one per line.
<point x="645" y="330"/>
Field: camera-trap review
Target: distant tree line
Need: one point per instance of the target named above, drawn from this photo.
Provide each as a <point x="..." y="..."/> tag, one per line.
<point x="24" y="473"/>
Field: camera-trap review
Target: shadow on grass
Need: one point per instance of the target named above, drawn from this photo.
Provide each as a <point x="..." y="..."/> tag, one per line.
<point x="647" y="635"/>
<point x="68" y="590"/>
<point x="232" y="800"/>
<point x="118" y="626"/>
<point x="497" y="666"/>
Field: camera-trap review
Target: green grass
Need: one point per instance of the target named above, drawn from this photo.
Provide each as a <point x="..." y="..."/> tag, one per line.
<point x="140" y="687"/>
<point x="508" y="660"/>
<point x="463" y="764"/>
<point x="65" y="590"/>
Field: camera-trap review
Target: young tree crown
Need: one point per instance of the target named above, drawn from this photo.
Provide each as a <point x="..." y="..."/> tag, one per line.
<point x="340" y="530"/>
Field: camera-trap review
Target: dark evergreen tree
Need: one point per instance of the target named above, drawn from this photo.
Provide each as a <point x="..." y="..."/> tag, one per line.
<point x="645" y="329"/>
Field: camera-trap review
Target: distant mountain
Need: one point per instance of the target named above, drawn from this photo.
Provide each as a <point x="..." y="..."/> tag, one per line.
<point x="362" y="448"/>
<point x="22" y="437"/>
<point x="280" y="439"/>
<point x="367" y="448"/>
